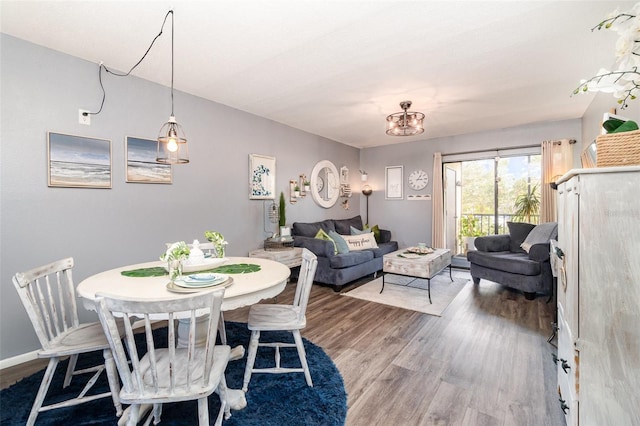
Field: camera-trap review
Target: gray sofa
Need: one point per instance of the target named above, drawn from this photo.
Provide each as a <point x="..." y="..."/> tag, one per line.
<point x="340" y="269"/>
<point x="501" y="259"/>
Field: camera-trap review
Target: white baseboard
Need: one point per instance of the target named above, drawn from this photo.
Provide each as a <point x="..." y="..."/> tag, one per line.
<point x="18" y="359"/>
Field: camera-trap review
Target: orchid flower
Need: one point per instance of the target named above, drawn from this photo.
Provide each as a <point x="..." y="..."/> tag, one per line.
<point x="624" y="82"/>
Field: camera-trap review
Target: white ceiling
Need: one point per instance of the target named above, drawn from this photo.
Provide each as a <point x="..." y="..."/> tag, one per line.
<point x="337" y="68"/>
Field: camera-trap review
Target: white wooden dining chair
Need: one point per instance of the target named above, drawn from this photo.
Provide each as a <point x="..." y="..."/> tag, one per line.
<point x="49" y="297"/>
<point x="274" y="317"/>
<point x="167" y="374"/>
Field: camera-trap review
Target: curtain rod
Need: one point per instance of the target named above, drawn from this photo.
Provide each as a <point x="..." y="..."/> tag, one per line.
<point x="571" y="141"/>
<point x="491" y="149"/>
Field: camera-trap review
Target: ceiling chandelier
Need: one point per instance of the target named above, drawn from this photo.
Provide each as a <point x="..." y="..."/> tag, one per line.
<point x="405" y="123"/>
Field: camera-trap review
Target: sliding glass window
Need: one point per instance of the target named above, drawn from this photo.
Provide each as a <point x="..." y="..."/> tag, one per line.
<point x="485" y="190"/>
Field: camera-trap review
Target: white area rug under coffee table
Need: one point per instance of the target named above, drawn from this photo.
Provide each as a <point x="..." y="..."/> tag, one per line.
<point x="413" y="297"/>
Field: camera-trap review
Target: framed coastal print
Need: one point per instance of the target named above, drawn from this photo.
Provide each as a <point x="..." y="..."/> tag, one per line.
<point x="141" y="164"/>
<point x="262" y="177"/>
<point x="393" y="182"/>
<point x="78" y="161"/>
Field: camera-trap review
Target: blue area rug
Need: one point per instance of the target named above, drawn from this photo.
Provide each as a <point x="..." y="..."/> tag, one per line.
<point x="273" y="399"/>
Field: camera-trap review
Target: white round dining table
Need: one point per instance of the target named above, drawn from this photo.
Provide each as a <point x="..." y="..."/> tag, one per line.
<point x="247" y="289"/>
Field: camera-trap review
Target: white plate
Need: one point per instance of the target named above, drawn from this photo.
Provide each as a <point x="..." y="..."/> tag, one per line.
<point x="203" y="277"/>
<point x="208" y="263"/>
<point x="188" y="282"/>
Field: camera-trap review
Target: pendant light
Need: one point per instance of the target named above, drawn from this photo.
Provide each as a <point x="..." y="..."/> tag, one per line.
<point x="172" y="141"/>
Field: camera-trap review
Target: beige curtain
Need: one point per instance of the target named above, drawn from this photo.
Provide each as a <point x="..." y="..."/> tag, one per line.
<point x="437" y="216"/>
<point x="557" y="159"/>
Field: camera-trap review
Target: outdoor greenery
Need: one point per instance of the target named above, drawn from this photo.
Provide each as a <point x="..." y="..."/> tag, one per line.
<point x="517" y="176"/>
<point x="469" y="227"/>
<point x="527" y="205"/>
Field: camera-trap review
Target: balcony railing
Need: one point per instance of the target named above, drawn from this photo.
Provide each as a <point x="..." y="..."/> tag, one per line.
<point x="485" y="222"/>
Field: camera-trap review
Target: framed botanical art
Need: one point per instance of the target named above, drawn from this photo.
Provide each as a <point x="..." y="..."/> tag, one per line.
<point x="141" y="164"/>
<point x="262" y="177"/>
<point x="78" y="161"/>
<point x="393" y="182"/>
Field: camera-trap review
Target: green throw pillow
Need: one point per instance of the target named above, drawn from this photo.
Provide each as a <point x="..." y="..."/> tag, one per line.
<point x="341" y="244"/>
<point x="376" y="232"/>
<point x="321" y="235"/>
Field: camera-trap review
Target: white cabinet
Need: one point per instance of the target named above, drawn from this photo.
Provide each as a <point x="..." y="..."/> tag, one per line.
<point x="599" y="296"/>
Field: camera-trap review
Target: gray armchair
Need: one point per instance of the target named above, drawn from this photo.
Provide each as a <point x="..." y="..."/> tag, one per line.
<point x="501" y="258"/>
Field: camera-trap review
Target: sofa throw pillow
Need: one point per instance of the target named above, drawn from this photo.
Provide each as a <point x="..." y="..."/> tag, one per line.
<point x="361" y="241"/>
<point x="341" y="244"/>
<point x="540" y="234"/>
<point x="376" y="232"/>
<point x="375" y="229"/>
<point x="518" y="231"/>
<point x="321" y="235"/>
<point x="356" y="231"/>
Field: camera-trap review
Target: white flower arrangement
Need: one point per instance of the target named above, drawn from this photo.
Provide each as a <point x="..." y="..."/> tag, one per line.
<point x="176" y="251"/>
<point x="218" y="241"/>
<point x="624" y="81"/>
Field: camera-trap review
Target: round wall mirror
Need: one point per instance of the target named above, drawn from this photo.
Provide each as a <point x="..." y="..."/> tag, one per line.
<point x="325" y="184"/>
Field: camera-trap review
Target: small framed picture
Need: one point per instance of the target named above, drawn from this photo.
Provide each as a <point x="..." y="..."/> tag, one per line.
<point x="78" y="161"/>
<point x="344" y="175"/>
<point x="141" y="164"/>
<point x="393" y="178"/>
<point x="262" y="177"/>
<point x="285" y="231"/>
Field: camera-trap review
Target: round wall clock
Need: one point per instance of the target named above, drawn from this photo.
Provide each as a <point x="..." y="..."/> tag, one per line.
<point x="418" y="179"/>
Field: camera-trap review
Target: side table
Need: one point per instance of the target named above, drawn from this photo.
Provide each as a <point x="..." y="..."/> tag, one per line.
<point x="291" y="257"/>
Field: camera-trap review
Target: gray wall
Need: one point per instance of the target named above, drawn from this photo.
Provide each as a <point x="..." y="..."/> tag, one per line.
<point x="42" y="91"/>
<point x="410" y="221"/>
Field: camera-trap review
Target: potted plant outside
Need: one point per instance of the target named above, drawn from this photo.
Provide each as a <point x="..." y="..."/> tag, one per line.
<point x="469" y="230"/>
<point x="527" y="205"/>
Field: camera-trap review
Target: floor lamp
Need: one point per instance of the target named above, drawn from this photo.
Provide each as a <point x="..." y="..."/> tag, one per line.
<point x="367" y="191"/>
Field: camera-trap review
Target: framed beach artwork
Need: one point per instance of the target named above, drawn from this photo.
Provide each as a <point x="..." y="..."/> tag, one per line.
<point x="141" y="164"/>
<point x="78" y="161"/>
<point x="393" y="182"/>
<point x="262" y="177"/>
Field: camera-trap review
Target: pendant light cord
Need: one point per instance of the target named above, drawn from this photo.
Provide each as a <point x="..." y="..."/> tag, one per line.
<point x="103" y="67"/>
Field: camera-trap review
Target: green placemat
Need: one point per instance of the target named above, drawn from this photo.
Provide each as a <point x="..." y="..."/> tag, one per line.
<point x="158" y="271"/>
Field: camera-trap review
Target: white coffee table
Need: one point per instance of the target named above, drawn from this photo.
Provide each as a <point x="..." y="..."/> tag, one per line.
<point x="420" y="266"/>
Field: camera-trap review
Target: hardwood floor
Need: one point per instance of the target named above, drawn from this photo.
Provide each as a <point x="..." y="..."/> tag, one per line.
<point x="486" y="361"/>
